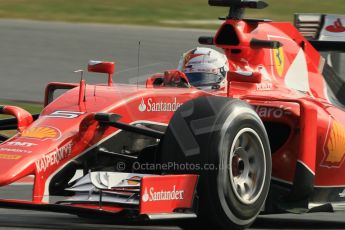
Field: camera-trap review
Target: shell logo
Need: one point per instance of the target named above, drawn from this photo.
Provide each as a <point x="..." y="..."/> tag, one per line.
<point x="278" y="56"/>
<point x="135" y="180"/>
<point x="43" y="132"/>
<point x="335" y="145"/>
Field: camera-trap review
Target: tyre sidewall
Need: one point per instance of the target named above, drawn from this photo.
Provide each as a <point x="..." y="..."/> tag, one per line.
<point x="223" y="198"/>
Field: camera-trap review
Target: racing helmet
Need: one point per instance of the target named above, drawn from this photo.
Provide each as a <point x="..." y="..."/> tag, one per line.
<point x="204" y="67"/>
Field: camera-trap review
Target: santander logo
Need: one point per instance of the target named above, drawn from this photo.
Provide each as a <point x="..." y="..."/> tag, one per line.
<point x="142" y="106"/>
<point x="150" y="195"/>
<point x="145" y="197"/>
<point x="162" y="105"/>
<point x="337" y="27"/>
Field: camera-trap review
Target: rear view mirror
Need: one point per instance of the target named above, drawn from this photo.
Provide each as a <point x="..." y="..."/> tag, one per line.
<point x="23" y="118"/>
<point x="244" y="76"/>
<point x="102" y="67"/>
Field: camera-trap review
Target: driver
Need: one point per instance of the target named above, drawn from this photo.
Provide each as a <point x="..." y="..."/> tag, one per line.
<point x="204" y="67"/>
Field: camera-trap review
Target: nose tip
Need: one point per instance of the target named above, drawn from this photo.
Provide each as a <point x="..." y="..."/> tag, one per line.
<point x="12" y="168"/>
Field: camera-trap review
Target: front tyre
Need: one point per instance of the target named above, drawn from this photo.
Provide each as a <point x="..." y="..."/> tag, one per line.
<point x="230" y="144"/>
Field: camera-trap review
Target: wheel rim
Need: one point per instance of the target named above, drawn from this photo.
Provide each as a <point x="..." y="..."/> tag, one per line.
<point x="247" y="166"/>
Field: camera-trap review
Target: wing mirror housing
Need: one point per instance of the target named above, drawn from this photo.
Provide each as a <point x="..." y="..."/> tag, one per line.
<point x="23" y="117"/>
<point x="244" y="76"/>
<point x="102" y="67"/>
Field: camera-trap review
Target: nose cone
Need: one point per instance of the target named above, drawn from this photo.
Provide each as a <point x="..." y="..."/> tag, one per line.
<point x="14" y="166"/>
<point x="19" y="154"/>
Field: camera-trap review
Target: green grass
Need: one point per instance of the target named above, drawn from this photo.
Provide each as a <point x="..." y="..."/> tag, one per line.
<point x="33" y="108"/>
<point x="151" y="12"/>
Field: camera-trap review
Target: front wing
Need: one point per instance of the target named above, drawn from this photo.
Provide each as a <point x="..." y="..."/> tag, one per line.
<point x="125" y="196"/>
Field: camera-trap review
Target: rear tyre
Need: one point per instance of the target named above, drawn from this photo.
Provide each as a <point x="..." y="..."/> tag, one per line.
<point x="225" y="142"/>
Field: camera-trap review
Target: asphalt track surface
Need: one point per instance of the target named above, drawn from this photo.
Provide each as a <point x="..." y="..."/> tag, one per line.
<point x="10" y="219"/>
<point x="35" y="53"/>
<point x="23" y="219"/>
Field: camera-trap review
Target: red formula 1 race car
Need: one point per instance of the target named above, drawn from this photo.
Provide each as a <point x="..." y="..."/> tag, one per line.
<point x="271" y="140"/>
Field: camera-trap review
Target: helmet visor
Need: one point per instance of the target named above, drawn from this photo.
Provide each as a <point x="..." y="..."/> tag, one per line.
<point x="204" y="79"/>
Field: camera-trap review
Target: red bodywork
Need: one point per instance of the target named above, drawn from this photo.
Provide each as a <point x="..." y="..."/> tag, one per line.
<point x="285" y="86"/>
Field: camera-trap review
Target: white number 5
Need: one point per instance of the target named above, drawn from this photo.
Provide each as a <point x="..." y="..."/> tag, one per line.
<point x="65" y="114"/>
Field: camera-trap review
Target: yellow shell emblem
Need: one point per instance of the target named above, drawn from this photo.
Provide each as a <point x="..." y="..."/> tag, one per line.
<point x="41" y="133"/>
<point x="336" y="143"/>
<point x="279" y="61"/>
<point x="134" y="180"/>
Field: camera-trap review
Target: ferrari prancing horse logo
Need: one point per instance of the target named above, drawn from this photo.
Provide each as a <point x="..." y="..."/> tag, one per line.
<point x="278" y="56"/>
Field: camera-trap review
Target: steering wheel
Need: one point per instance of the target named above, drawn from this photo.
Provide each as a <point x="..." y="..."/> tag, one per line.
<point x="176" y="78"/>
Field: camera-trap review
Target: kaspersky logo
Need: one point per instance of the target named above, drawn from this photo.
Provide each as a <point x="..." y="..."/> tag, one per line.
<point x="150" y="195"/>
<point x="166" y="105"/>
